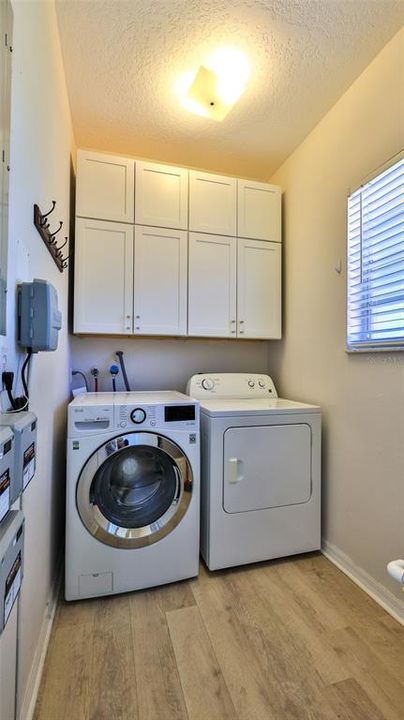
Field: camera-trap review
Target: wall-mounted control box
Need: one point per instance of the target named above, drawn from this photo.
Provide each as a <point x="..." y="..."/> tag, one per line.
<point x="11" y="563"/>
<point x="39" y="319"/>
<point x="24" y="427"/>
<point x="8" y="487"/>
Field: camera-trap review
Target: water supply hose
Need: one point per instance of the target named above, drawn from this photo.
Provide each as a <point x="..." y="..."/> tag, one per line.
<point x="119" y="354"/>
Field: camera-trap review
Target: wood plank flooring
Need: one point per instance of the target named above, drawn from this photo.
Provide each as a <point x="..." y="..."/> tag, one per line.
<point x="292" y="639"/>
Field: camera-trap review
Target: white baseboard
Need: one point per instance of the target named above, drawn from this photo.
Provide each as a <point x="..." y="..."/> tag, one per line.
<point x="372" y="587"/>
<point x="28" y="703"/>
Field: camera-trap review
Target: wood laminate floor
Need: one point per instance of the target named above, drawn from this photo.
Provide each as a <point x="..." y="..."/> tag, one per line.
<point x="287" y="640"/>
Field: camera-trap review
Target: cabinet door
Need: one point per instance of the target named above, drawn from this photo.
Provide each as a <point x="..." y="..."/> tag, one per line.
<point x="212" y="285"/>
<point x="258" y="289"/>
<point x="105" y="187"/>
<point x="212" y="203"/>
<point x="160" y="282"/>
<point x="161" y="195"/>
<point x="103" y="294"/>
<point x="258" y="211"/>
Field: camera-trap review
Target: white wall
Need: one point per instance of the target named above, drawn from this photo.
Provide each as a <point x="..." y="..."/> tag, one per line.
<point x="362" y="396"/>
<point x="41" y="140"/>
<point x="166" y="364"/>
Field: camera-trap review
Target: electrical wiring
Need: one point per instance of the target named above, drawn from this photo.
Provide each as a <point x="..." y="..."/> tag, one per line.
<point x="24" y="368"/>
<point x="21" y="409"/>
<point x="11" y="399"/>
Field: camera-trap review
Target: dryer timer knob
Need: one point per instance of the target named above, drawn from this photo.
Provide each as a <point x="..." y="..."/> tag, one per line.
<point x="208" y="384"/>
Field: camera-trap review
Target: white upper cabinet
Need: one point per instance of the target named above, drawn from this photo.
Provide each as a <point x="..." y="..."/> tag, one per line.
<point x="105" y="187"/>
<point x="103" y="299"/>
<point x="212" y="285"/>
<point x="258" y="289"/>
<point x="178" y="252"/>
<point x="258" y="211"/>
<point x="212" y="203"/>
<point x="160" y="281"/>
<point x="161" y="195"/>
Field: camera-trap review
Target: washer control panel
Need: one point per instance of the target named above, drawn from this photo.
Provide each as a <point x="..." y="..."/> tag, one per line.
<point x="232" y="385"/>
<point x="157" y="416"/>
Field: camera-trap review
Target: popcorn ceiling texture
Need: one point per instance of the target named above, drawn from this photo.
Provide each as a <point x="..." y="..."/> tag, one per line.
<point x="122" y="58"/>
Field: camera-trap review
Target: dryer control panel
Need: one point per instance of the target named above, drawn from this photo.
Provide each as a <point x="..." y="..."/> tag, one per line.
<point x="231" y="385"/>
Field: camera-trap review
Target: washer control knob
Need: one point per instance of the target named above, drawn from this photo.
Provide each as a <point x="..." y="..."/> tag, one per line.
<point x="251" y="383"/>
<point x="138" y="416"/>
<point x="261" y="383"/>
<point x="208" y="384"/>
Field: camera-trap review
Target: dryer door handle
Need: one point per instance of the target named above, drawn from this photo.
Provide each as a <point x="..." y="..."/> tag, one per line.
<point x="234" y="465"/>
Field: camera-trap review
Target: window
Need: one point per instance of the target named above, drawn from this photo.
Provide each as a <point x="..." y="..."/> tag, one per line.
<point x="375" y="314"/>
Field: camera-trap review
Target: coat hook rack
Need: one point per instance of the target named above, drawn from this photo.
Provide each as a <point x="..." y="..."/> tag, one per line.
<point x="42" y="225"/>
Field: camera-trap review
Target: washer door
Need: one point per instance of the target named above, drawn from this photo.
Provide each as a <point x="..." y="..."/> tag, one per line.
<point x="134" y="490"/>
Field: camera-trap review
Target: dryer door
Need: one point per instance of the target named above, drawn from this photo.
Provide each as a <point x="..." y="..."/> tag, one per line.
<point x="266" y="466"/>
<point x="134" y="490"/>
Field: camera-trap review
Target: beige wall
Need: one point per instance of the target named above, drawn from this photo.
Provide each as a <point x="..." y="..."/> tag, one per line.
<point x="362" y="396"/>
<point x="166" y="364"/>
<point x="41" y="140"/>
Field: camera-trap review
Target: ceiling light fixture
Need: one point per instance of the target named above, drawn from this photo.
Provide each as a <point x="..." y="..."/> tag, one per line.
<point x="216" y="86"/>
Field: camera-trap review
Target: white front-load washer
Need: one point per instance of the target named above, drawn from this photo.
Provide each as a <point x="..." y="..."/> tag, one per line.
<point x="260" y="473"/>
<point x="132" y="511"/>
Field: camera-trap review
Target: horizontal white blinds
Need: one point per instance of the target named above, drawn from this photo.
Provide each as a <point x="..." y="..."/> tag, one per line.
<point x="376" y="261"/>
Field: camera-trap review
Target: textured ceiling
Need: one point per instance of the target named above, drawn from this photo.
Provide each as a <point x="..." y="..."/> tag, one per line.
<point x="122" y="59"/>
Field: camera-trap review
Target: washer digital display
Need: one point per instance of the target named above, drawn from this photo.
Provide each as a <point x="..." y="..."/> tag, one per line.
<point x="176" y="413"/>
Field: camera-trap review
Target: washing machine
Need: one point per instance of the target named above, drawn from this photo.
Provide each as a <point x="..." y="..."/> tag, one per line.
<point x="260" y="473"/>
<point x="132" y="511"/>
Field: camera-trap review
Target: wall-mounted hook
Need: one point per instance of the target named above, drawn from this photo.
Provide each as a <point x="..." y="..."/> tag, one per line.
<point x="43" y="224"/>
<point x="63" y="244"/>
<point x="52" y="234"/>
<point x="49" y="238"/>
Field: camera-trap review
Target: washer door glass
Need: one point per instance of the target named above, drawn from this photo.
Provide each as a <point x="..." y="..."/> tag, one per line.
<point x="136" y="486"/>
<point x="134" y="490"/>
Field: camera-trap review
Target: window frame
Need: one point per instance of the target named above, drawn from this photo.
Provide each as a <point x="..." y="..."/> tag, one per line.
<point x="369" y="345"/>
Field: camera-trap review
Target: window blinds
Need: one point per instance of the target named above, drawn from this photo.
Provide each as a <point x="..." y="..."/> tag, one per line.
<point x="375" y="315"/>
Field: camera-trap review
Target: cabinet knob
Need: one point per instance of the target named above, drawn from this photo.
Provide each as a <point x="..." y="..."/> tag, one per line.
<point x="241" y="322"/>
<point x="128" y="317"/>
<point x="137" y="317"/>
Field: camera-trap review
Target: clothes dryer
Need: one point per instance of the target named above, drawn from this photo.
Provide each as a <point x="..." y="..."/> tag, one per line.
<point x="260" y="476"/>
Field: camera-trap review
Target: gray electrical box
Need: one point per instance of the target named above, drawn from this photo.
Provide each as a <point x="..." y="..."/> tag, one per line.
<point x="11" y="563"/>
<point x="23" y="425"/>
<point x="8" y="489"/>
<point x="39" y="319"/>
